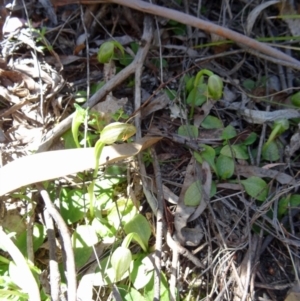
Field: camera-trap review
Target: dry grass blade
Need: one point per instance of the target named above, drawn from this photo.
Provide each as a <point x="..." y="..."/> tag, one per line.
<point x="48" y="165"/>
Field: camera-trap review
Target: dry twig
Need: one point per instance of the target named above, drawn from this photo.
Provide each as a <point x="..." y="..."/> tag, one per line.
<point x="70" y="261"/>
<point x="159" y="224"/>
<point x="196" y="22"/>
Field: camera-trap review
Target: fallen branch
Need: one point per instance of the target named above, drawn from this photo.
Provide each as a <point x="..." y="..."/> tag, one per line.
<point x="207" y="26"/>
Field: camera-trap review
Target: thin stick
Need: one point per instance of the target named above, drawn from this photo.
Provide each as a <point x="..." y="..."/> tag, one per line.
<point x="53" y="265"/>
<point x="204" y="25"/>
<point x="70" y="261"/>
<point x="159" y="225"/>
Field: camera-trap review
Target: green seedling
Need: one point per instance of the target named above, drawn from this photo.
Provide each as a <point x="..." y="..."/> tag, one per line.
<point x="137" y="229"/>
<point x="290" y="201"/>
<point x="270" y="149"/>
<point x="111" y="133"/>
<point x="279" y="127"/>
<point x="107" y="50"/>
<point x="78" y="120"/>
<point x="202" y="91"/>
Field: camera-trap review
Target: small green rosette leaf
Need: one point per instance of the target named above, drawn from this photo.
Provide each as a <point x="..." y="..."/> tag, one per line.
<point x="256" y="187"/>
<point x="225" y="167"/>
<point x="193" y="195"/>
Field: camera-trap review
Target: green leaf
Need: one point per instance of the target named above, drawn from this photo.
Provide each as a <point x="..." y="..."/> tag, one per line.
<point x="250" y="139"/>
<point x="83" y="238"/>
<point x="225" y="167"/>
<point x="68" y="138"/>
<point x="135" y="47"/>
<point x="198" y="157"/>
<point x="229" y="133"/>
<point x="123" y="208"/>
<point x="80" y="96"/>
<point x="141" y="226"/>
<point x="279" y="127"/>
<point x="208" y="154"/>
<point x="238" y="151"/>
<point x="84" y="235"/>
<point x="119" y="46"/>
<point x="136" y="237"/>
<point x="38" y="239"/>
<point x="126" y="59"/>
<point x="130" y="294"/>
<point x="270" y="151"/>
<point x="141" y="271"/>
<point x="115" y="171"/>
<point x="211" y="122"/>
<point x="97" y="86"/>
<point x="193" y="194"/>
<point x="164" y="289"/>
<point x="120" y="261"/>
<point x="249" y="84"/>
<point x="197" y="96"/>
<point x="73" y="205"/>
<point x="256" y="188"/>
<point x="189" y="131"/>
<point x="295" y="99"/>
<point x="171" y="93"/>
<point x="102" y="229"/>
<point x="292" y="201"/>
<point x="189" y="82"/>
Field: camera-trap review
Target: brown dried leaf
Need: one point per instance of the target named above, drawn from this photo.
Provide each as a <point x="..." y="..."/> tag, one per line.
<point x="188" y="236"/>
<point x="255" y="13"/>
<point x="248" y="171"/>
<point x="156" y="104"/>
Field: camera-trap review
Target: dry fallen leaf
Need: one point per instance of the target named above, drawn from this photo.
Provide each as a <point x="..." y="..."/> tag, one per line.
<point x="185" y="213"/>
<point x="248" y="171"/>
<point x="294" y="293"/>
<point x="255" y="13"/>
<point x="53" y="164"/>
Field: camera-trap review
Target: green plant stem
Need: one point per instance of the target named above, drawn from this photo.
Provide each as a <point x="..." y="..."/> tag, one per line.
<point x="198" y="81"/>
<point x="199" y="76"/>
<point x="98" y="150"/>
